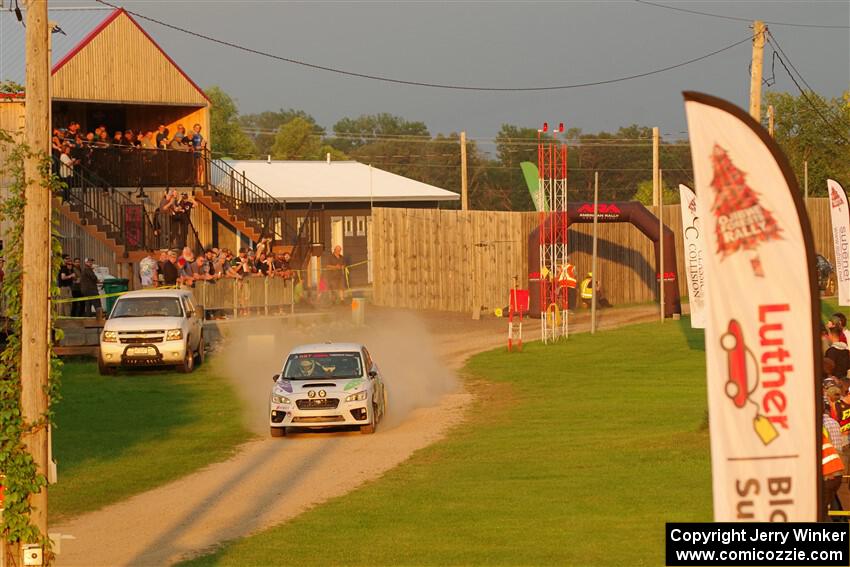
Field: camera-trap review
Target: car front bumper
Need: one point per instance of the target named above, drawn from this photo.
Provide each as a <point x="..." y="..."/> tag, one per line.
<point x="160" y="354"/>
<point x="345" y="414"/>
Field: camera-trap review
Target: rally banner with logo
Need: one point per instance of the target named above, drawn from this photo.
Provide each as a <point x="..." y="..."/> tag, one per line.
<point x="840" y="238"/>
<point x="694" y="256"/>
<point x="762" y="307"/>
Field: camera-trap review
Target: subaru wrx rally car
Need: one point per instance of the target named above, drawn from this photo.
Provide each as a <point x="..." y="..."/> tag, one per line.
<point x="327" y="385"/>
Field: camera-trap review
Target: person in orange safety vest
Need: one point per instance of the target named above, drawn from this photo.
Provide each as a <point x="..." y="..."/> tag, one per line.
<point x="833" y="471"/>
<point x="567" y="279"/>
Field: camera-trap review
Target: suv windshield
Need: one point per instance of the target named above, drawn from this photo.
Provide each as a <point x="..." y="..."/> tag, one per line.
<point x="147" y="307"/>
<point x="323" y="365"/>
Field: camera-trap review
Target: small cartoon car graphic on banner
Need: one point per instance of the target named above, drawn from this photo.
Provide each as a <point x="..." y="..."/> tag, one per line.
<point x="744" y="379"/>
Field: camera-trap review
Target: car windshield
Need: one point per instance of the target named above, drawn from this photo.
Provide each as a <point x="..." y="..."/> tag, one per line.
<point x="147" y="307"/>
<point x="304" y="366"/>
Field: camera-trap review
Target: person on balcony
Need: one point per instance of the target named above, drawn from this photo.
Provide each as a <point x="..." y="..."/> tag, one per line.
<point x="199" y="145"/>
<point x="161" y="137"/>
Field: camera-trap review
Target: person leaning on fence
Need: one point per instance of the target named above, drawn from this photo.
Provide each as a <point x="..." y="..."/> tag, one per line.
<point x="148" y="269"/>
<point x="170" y="272"/>
<point x="88" y="287"/>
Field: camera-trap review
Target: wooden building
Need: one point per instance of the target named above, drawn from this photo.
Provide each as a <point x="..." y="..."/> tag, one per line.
<point x="106" y="71"/>
<point x="340" y="196"/>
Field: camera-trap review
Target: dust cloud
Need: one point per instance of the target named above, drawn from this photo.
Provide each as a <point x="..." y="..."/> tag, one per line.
<point x="253" y="351"/>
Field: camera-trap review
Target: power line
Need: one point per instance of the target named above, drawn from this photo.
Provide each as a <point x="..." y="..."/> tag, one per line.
<point x="421" y="83"/>
<point x="782" y="59"/>
<point x="737" y="19"/>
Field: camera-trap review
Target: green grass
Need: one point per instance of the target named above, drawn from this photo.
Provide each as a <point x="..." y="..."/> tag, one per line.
<point x="121" y="435"/>
<point x="573" y="454"/>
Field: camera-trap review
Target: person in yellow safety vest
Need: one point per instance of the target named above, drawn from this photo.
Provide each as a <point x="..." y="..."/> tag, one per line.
<point x="833" y="472"/>
<point x="586" y="292"/>
<point x="567" y="279"/>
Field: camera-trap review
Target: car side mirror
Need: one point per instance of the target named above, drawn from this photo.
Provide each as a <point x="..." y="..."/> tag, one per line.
<point x="373" y="373"/>
<point x="275" y="377"/>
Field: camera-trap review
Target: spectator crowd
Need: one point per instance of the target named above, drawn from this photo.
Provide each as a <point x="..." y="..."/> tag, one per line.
<point x="836" y="410"/>
<point x="80" y="143"/>
<point x="172" y="267"/>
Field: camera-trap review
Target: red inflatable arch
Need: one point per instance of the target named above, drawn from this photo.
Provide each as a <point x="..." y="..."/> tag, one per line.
<point x="618" y="211"/>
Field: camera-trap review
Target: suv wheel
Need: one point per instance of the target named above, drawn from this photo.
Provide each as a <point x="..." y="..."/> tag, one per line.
<point x="103" y="368"/>
<point x="188" y="361"/>
<point x="202" y="351"/>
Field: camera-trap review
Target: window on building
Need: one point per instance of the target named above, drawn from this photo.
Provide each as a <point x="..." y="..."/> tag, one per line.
<point x="361" y="226"/>
<point x="349" y="226"/>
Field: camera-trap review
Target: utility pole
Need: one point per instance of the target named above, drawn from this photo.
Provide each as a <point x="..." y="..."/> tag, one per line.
<point x="594" y="275"/>
<point x="661" y="245"/>
<point x="806" y="179"/>
<point x="35" y="301"/>
<point x="770" y="120"/>
<point x="655" y="162"/>
<point x="464" y="189"/>
<point x="759" y="31"/>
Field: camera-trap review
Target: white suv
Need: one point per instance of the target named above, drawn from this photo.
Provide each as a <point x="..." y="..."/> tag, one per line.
<point x="152" y="328"/>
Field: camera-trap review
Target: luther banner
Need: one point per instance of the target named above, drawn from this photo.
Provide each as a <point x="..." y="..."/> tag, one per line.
<point x="840" y="238"/>
<point x="762" y="320"/>
<point x="694" y="256"/>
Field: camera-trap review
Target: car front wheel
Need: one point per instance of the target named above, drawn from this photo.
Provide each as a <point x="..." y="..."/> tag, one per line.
<point x="369" y="429"/>
<point x="278" y="431"/>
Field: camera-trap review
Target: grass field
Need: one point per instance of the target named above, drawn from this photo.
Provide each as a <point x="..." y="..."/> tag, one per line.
<point x="574" y="454"/>
<point x="121" y="435"/>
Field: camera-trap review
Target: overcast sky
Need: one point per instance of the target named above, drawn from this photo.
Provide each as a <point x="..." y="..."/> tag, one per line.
<point x="507" y="44"/>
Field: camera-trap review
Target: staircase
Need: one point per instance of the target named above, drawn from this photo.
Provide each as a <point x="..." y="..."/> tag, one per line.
<point x="252" y="211"/>
<point x="111" y="216"/>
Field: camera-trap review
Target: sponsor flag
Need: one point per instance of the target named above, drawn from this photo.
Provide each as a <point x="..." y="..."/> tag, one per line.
<point x="694" y="256"/>
<point x="840" y="238"/>
<point x="762" y="306"/>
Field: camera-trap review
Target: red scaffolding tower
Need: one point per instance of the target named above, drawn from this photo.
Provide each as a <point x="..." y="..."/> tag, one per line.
<point x="552" y="207"/>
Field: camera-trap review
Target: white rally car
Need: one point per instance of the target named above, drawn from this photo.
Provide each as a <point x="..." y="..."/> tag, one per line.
<point x="327" y="385"/>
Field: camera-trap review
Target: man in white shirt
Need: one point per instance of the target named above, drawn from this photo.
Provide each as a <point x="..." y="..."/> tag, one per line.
<point x="148" y="270"/>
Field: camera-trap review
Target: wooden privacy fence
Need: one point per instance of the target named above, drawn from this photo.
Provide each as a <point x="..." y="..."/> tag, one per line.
<point x="456" y="260"/>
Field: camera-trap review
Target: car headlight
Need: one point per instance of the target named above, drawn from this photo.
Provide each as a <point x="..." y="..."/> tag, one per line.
<point x="174" y="335"/>
<point x="110" y="336"/>
<point x="356" y="397"/>
<point x="280" y="399"/>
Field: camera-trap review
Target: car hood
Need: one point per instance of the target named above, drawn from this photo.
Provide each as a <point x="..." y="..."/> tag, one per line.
<point x="345" y="385"/>
<point x="143" y="324"/>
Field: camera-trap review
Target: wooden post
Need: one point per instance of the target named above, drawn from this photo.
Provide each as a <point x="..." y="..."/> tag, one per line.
<point x="806" y="179"/>
<point x="35" y="301"/>
<point x="593" y="258"/>
<point x="770" y="120"/>
<point x="661" y="242"/>
<point x="759" y="30"/>
<point x="655" y="165"/>
<point x="464" y="189"/>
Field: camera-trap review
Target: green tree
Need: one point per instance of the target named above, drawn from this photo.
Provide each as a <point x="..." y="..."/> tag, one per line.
<point x="352" y="133"/>
<point x="298" y="140"/>
<point x="11" y="87"/>
<point x="669" y="195"/>
<point x="226" y="135"/>
<point x="801" y="131"/>
<point x="262" y="127"/>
